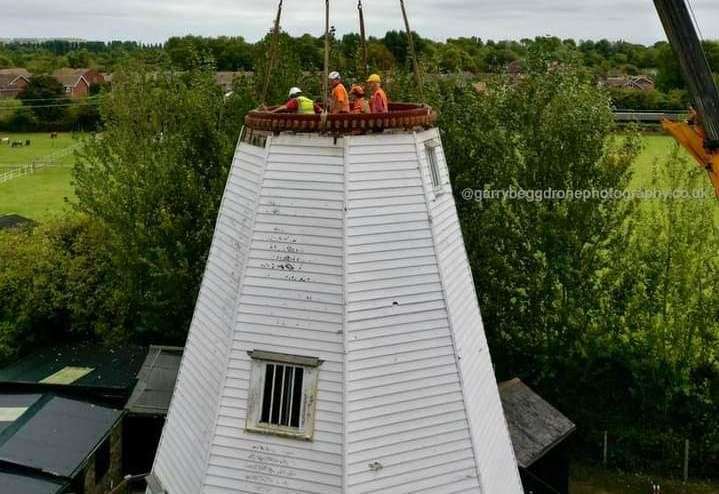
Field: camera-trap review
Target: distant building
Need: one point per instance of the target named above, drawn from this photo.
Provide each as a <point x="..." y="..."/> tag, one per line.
<point x="11" y="221"/>
<point x="13" y="82"/>
<point x="226" y="79"/>
<point x="639" y="82"/>
<point x="515" y="68"/>
<point x="540" y="436"/>
<point x="77" y="82"/>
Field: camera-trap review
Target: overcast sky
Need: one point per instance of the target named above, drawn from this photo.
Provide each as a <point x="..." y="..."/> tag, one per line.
<point x="156" y="20"/>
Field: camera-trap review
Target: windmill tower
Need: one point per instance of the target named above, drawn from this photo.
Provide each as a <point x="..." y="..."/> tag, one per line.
<point x="337" y="345"/>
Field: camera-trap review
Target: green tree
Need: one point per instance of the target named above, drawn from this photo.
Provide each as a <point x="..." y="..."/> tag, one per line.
<point x="536" y="263"/>
<point x="80" y="59"/>
<point x="154" y="180"/>
<point x="57" y="282"/>
<point x="45" y="96"/>
<point x="669" y="75"/>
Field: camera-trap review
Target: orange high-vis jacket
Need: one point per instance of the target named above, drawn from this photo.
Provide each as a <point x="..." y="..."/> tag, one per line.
<point x="379" y="102"/>
<point x="361" y="105"/>
<point x="340" y="100"/>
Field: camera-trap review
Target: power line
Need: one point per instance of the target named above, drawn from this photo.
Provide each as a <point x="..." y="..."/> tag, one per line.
<point x="90" y="103"/>
<point x="62" y="98"/>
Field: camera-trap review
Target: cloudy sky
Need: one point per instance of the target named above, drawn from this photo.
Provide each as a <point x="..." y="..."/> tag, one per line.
<point x="156" y="20"/>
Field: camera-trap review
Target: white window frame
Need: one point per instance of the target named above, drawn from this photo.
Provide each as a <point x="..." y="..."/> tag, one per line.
<point x="433" y="163"/>
<point x="310" y="367"/>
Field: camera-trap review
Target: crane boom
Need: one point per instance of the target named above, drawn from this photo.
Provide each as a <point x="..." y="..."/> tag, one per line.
<point x="701" y="134"/>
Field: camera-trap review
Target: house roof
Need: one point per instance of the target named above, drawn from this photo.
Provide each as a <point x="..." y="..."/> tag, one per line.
<point x="536" y="426"/>
<point x="16" y="71"/>
<point x="9" y="76"/>
<point x="71" y="77"/>
<point x="156" y="381"/>
<point x="85" y="365"/>
<point x="47" y="438"/>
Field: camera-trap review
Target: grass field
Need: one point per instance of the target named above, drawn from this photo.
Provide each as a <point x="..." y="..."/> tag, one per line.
<point x="596" y="480"/>
<point x="656" y="147"/>
<point x="41" y="195"/>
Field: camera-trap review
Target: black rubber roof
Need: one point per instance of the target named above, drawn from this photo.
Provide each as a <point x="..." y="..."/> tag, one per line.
<point x="113" y="366"/>
<point x="56" y="435"/>
<point x="11" y="482"/>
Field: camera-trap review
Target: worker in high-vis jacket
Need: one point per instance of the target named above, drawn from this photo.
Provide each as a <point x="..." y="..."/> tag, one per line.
<point x="298" y="103"/>
<point x="358" y="102"/>
<point x="378" y="100"/>
<point x="339" y="98"/>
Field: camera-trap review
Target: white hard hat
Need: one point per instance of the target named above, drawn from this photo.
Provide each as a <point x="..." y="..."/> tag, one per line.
<point x="335" y="76"/>
<point x="294" y="91"/>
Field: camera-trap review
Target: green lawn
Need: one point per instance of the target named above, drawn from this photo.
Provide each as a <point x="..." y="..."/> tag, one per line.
<point x="596" y="480"/>
<point x="42" y="194"/>
<point x="656" y="147"/>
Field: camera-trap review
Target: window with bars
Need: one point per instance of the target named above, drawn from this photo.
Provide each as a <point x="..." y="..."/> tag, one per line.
<point x="282" y="397"/>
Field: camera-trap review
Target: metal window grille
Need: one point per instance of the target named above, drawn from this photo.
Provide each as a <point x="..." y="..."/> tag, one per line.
<point x="282" y="396"/>
<point x="433" y="165"/>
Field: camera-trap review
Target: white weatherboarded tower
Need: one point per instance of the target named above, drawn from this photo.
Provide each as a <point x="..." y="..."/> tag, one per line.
<point x="337" y="344"/>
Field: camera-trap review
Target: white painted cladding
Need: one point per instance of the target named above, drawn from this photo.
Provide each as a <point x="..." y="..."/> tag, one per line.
<point x="340" y="250"/>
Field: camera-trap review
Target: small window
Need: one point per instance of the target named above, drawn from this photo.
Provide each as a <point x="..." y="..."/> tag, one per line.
<point x="283" y="392"/>
<point x="432" y="148"/>
<point x="282" y="396"/>
<point x="102" y="461"/>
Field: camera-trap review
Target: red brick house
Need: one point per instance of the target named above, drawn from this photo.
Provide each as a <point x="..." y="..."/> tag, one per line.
<point x="77" y="82"/>
<point x="13" y="82"/>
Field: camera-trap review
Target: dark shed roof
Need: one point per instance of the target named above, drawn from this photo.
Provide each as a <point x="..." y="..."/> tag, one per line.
<point x="156" y="381"/>
<point x="8" y="221"/>
<point x="56" y="435"/>
<point x="11" y="482"/>
<point x="536" y="426"/>
<point x="81" y="364"/>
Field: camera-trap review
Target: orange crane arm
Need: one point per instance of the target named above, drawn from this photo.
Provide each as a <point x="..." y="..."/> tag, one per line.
<point x="700" y="135"/>
<point x="692" y="137"/>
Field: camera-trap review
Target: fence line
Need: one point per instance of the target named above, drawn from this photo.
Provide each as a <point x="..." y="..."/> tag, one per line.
<point x="35" y="165"/>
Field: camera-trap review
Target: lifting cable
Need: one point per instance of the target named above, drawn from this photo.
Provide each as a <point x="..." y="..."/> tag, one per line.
<point x="696" y="21"/>
<point x="363" y="40"/>
<point x="273" y="53"/>
<point x="327" y="56"/>
<point x="413" y="53"/>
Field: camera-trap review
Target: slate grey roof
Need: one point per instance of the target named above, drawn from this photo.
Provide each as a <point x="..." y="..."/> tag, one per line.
<point x="156" y="381"/>
<point x="536" y="426"/>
